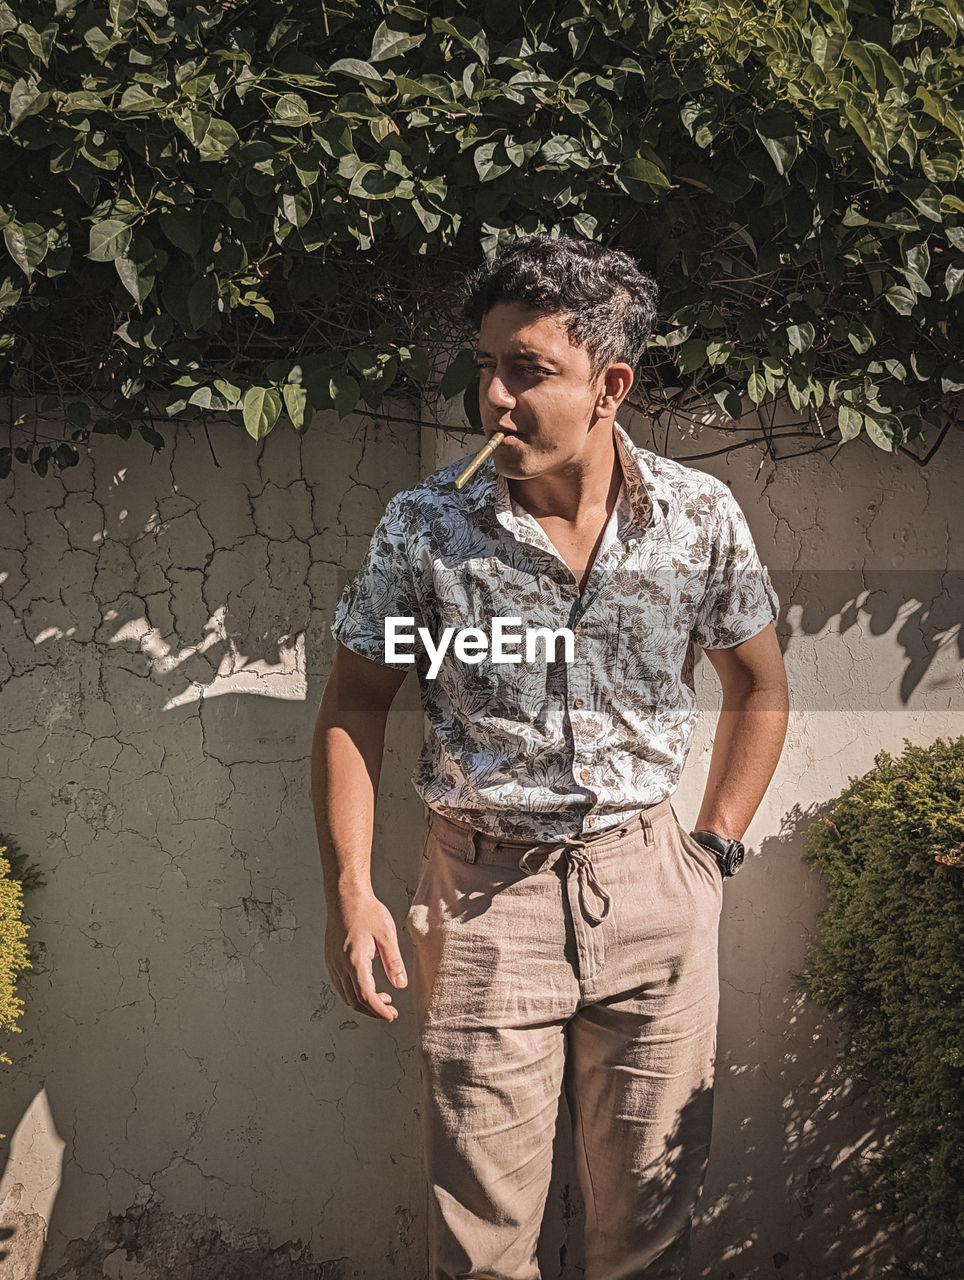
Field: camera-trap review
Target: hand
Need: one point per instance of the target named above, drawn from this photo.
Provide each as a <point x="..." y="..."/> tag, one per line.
<point x="359" y="928"/>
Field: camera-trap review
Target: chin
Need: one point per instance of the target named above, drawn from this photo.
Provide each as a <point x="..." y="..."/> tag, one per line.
<point x="512" y="469"/>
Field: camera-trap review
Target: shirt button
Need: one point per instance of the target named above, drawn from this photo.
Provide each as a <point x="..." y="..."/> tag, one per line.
<point x="585" y="775"/>
<point x="577" y="702"/>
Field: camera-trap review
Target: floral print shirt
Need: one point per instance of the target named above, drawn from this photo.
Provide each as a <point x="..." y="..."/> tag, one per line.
<point x="543" y="749"/>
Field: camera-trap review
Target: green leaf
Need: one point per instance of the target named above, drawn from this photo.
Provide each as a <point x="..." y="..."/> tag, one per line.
<point x="296" y="404"/>
<point x="467" y="32"/>
<point x="415" y="364"/>
<point x="26" y="99"/>
<point x="365" y="362"/>
<point x="777" y="132"/>
<point x="344" y="392"/>
<point x="639" y="169"/>
<point x="27" y="244"/>
<point x="515" y="152"/>
<point x="756" y="387"/>
<point x="470" y="404"/>
<point x="459" y="374"/>
<point x="926" y="199"/>
<point x="135" y="100"/>
<point x="870" y="142"/>
<point x="387" y="43"/>
<point x="193" y="123"/>
<point x="826" y="50"/>
<point x="850" y="422"/>
<point x="884" y="430"/>
<point x="801" y="336"/>
<point x="798" y="389"/>
<point x="371" y="182"/>
<point x="122" y="11"/>
<point x="137" y="278"/>
<point x="487" y="167"/>
<point x="941" y="168"/>
<point x="218" y="140"/>
<point x="210" y="398"/>
<point x="291" y="108"/>
<point x="728" y="399"/>
<point x="228" y="392"/>
<point x="692" y="355"/>
<point x="564" y="151"/>
<point x="585" y="225"/>
<point x="717" y="353"/>
<point x="297" y="207"/>
<point x="153" y="438"/>
<point x="357" y="69"/>
<point x="109" y="239"/>
<point x="915" y="256"/>
<point x="202" y="298"/>
<point x="860" y="336"/>
<point x="260" y="409"/>
<point x="858" y="53"/>
<point x="953" y="280"/>
<point x="901" y="299"/>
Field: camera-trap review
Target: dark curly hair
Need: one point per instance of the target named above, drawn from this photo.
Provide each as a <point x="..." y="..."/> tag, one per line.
<point x="605" y="302"/>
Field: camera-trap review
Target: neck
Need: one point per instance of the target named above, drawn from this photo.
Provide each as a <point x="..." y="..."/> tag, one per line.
<point x="576" y="492"/>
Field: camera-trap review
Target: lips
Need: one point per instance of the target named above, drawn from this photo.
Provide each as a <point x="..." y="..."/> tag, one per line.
<point x="511" y="437"/>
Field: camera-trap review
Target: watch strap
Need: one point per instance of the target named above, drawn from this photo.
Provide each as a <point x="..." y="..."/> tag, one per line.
<point x="729" y="853"/>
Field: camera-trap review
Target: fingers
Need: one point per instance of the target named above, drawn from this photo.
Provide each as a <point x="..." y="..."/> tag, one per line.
<point x="391" y="959"/>
<point x="376" y="1003"/>
<point x="354" y="977"/>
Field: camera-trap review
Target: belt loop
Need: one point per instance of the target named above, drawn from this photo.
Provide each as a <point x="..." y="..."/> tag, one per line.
<point x="472" y="848"/>
<point x="647" y="831"/>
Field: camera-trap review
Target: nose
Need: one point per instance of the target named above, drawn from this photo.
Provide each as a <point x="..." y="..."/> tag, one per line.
<point x="493" y="391"/>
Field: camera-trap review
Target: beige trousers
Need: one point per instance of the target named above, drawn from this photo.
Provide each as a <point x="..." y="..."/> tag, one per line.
<point x="588" y="966"/>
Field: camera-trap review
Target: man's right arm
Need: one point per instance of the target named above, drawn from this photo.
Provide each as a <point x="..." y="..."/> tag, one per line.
<point x="346" y="762"/>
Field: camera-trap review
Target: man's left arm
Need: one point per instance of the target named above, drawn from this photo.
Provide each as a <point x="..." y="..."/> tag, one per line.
<point x="749" y="735"/>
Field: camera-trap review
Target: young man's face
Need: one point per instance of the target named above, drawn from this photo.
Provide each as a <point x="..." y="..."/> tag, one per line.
<point x="536" y="386"/>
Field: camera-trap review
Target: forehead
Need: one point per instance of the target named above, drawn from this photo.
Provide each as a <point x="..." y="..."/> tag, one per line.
<point x="515" y="330"/>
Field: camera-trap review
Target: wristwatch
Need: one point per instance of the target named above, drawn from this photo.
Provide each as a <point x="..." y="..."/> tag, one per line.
<point x="729" y="853"/>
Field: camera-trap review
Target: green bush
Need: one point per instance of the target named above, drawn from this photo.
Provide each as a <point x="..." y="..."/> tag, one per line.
<point x="890" y="960"/>
<point x="14" y="957"/>
<point x="259" y="211"/>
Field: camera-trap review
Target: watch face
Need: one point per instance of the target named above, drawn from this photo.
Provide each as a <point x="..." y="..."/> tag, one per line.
<point x="734" y="859"/>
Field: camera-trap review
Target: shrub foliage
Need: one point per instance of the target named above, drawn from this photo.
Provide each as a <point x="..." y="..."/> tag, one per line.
<point x="14" y="957"/>
<point x="890" y="961"/>
<point x="261" y="210"/>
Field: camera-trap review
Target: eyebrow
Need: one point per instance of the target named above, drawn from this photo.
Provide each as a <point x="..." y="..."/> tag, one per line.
<point x="525" y="353"/>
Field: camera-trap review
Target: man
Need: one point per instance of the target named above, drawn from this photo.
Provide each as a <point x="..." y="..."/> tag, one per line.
<point x="564" y="925"/>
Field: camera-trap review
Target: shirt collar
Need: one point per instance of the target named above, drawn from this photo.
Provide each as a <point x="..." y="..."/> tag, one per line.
<point x="640" y="488"/>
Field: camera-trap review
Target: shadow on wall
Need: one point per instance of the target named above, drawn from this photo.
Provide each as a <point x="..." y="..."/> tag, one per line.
<point x="207" y="1082"/>
<point x="795" y="1121"/>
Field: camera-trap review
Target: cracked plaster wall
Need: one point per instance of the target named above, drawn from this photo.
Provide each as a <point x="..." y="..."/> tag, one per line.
<point x="189" y="1098"/>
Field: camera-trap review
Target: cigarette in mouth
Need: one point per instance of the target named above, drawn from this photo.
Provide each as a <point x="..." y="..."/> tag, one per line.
<point x="483" y="454"/>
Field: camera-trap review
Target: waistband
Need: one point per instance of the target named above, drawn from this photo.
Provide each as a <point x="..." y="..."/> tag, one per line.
<point x="538" y="855"/>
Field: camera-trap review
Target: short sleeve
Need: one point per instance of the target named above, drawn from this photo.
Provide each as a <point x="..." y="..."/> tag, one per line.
<point x="383" y="587"/>
<point x="740" y="599"/>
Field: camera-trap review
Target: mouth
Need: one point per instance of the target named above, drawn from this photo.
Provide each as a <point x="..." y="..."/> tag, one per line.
<point x="510" y="434"/>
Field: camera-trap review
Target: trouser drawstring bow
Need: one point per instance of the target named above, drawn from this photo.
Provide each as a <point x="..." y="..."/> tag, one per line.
<point x="579" y="858"/>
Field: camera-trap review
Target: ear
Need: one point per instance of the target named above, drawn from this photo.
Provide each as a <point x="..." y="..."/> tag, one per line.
<point x="614" y="388"/>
